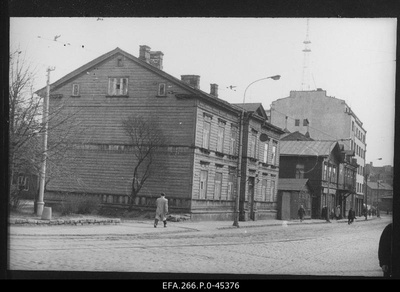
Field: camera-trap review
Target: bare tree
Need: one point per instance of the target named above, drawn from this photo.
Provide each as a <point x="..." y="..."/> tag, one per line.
<point x="24" y="117"/>
<point x="26" y="127"/>
<point x="146" y="138"/>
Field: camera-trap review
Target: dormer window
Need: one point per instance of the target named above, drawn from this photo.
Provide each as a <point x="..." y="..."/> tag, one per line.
<point x="75" y="89"/>
<point x="161" y="89"/>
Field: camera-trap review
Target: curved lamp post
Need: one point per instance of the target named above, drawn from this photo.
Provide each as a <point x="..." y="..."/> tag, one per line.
<point x="240" y="156"/>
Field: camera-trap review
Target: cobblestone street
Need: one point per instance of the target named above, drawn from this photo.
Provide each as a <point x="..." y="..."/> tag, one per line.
<point x="336" y="249"/>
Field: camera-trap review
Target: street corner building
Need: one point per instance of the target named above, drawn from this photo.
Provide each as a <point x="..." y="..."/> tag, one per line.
<point x="196" y="165"/>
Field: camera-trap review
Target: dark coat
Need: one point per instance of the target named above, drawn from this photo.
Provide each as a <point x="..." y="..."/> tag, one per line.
<point x="385" y="247"/>
<point x="351" y="214"/>
<point x="301" y="212"/>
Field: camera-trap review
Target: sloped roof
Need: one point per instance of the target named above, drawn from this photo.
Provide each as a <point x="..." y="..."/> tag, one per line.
<point x="255" y="107"/>
<point x="292" y="184"/>
<point x="296" y="136"/>
<point x="195" y="92"/>
<point x="307" y="148"/>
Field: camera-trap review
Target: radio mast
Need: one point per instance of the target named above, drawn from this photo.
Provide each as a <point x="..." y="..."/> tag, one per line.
<point x="305" y="80"/>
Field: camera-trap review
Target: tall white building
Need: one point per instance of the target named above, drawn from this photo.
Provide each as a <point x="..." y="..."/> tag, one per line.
<point x="323" y="117"/>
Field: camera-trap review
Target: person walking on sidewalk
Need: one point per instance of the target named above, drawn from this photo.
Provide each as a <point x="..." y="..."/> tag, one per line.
<point x="301" y="212"/>
<point x="162" y="210"/>
<point x="351" y="216"/>
<point x="337" y="213"/>
<point x="325" y="214"/>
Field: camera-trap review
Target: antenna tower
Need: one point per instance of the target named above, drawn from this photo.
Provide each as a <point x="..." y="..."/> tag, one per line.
<point x="305" y="81"/>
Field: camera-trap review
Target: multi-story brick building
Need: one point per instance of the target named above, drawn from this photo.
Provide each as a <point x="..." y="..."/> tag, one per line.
<point x="197" y="166"/>
<point x="323" y="117"/>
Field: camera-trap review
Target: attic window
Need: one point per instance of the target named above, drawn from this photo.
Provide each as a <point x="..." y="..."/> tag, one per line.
<point x="119" y="62"/>
<point x="117" y="86"/>
<point x="75" y="89"/>
<point x="161" y="89"/>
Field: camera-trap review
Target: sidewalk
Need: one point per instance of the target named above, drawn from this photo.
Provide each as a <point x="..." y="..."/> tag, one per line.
<point x="133" y="227"/>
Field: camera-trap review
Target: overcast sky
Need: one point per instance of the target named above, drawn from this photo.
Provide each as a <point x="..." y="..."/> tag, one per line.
<point x="352" y="59"/>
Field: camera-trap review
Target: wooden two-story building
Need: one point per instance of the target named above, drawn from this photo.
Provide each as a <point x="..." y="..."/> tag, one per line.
<point x="329" y="169"/>
<point x="197" y="167"/>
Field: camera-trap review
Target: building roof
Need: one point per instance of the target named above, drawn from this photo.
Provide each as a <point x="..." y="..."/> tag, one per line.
<point x="255" y="107"/>
<point x="307" y="148"/>
<point x="296" y="136"/>
<point x="293" y="184"/>
<point x="259" y="110"/>
<point x="381" y="186"/>
<point x="83" y="69"/>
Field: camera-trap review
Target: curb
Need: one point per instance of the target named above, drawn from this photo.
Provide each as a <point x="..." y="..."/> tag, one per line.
<point x="87" y="221"/>
<point x="286" y="222"/>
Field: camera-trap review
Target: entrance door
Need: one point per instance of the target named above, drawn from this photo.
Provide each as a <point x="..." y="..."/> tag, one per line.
<point x="285" y="206"/>
<point x="251" y="197"/>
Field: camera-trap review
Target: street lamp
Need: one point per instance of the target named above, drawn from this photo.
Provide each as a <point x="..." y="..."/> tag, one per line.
<point x="240" y="156"/>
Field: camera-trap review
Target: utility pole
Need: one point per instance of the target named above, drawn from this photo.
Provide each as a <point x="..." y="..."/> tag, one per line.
<point x="40" y="203"/>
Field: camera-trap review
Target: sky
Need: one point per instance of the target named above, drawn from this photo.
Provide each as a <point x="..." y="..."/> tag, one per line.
<point x="353" y="59"/>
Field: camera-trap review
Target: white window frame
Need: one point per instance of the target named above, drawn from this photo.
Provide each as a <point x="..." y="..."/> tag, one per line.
<point x="272" y="189"/>
<point x="116" y="86"/>
<point x="203" y="184"/>
<point x="220" y="140"/>
<point x="233" y="139"/>
<point x="206" y="134"/>
<point x="264" y="189"/>
<point x="253" y="146"/>
<point x="218" y="186"/>
<point x="265" y="157"/>
<point x="274" y="148"/>
<point x="231" y="186"/>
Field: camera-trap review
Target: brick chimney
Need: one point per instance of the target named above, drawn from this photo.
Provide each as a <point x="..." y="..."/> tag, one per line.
<point x="214" y="89"/>
<point x="156" y="59"/>
<point x="144" y="53"/>
<point x="192" y="80"/>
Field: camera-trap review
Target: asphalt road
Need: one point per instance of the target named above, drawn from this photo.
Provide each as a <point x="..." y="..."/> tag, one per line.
<point x="327" y="249"/>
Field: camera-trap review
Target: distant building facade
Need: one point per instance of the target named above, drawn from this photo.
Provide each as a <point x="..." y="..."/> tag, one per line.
<point x="380" y="173"/>
<point x="323" y="117"/>
<point x="380" y="195"/>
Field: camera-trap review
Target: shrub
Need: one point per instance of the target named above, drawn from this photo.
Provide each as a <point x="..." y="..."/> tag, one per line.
<point x="79" y="205"/>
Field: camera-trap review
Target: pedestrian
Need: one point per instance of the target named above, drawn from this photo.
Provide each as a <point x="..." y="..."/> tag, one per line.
<point x="365" y="212"/>
<point x="351" y="216"/>
<point x="325" y="214"/>
<point x="385" y="251"/>
<point x="301" y="212"/>
<point x="162" y="210"/>
<point x="337" y="212"/>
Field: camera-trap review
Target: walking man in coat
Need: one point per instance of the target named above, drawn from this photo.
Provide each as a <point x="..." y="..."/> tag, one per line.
<point x="301" y="213"/>
<point x="162" y="210"/>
